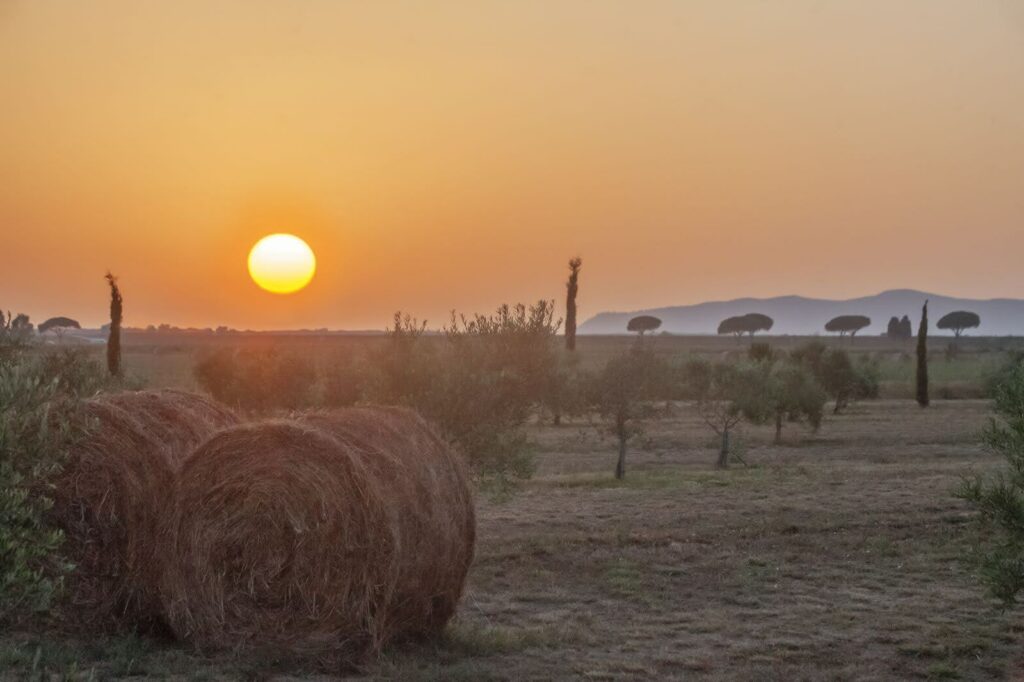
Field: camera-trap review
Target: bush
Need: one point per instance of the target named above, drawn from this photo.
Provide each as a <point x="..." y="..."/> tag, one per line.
<point x="795" y="395"/>
<point x="257" y="379"/>
<point x="35" y="437"/>
<point x="833" y="369"/>
<point x="619" y="394"/>
<point x="564" y="391"/>
<point x="74" y="372"/>
<point x="478" y="382"/>
<point x="1000" y="498"/>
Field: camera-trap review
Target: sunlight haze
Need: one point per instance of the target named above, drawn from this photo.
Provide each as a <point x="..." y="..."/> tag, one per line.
<point x="456" y="155"/>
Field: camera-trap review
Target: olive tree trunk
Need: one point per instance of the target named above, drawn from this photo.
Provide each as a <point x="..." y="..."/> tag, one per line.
<point x="620" y="465"/>
<point x="723" y="453"/>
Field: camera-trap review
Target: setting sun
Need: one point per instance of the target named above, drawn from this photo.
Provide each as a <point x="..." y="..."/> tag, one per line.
<point x="282" y="263"/>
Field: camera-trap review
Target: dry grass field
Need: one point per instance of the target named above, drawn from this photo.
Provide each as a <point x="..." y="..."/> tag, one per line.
<point x="836" y="556"/>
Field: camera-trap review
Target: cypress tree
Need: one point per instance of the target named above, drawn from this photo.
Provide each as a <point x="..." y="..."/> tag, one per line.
<point x="906" y="329"/>
<point x="114" y="339"/>
<point x="893" y="330"/>
<point x="572" y="288"/>
<point x="922" y="358"/>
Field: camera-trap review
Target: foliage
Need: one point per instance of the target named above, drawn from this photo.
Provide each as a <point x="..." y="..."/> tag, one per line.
<point x="958" y="321"/>
<point x="750" y="323"/>
<point x="761" y="352"/>
<point x="564" y="391"/>
<point x="899" y="328"/>
<point x="794" y="394"/>
<point x="75" y="373"/>
<point x="726" y="394"/>
<point x="847" y="324"/>
<point x="922" y="358"/>
<point x="643" y="324"/>
<point x="619" y="394"/>
<point x="479" y="382"/>
<point x="58" y="323"/>
<point x="36" y="414"/>
<point x="836" y="373"/>
<point x="114" y="336"/>
<point x="257" y="379"/>
<point x="15" y="334"/>
<point x="1000" y="498"/>
<point x="572" y="288"/>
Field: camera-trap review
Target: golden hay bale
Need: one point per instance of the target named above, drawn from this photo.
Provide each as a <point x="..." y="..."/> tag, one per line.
<point x="112" y="493"/>
<point x="329" y="534"/>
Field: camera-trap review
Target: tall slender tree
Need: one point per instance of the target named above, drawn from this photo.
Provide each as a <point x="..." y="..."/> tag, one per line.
<point x="922" y="358"/>
<point x="572" y="287"/>
<point x="114" y="339"/>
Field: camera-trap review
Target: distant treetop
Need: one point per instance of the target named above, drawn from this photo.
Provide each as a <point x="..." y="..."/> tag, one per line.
<point x="750" y="323"/>
<point x="847" y="324"/>
<point x="643" y="324"/>
<point x="58" y="323"/>
<point x="958" y="321"/>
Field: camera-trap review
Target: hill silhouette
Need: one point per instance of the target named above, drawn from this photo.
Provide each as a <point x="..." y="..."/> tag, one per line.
<point x="802" y="315"/>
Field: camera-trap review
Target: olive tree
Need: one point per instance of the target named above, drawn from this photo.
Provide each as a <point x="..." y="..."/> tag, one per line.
<point x="727" y="394"/>
<point x="835" y="372"/>
<point x="795" y="395"/>
<point x="620" y="392"/>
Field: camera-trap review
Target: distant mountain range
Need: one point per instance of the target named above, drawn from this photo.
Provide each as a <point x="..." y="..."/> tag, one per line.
<point x="799" y="315"/>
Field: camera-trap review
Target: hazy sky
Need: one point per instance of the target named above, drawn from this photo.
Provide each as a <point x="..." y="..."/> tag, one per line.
<point x="455" y="155"/>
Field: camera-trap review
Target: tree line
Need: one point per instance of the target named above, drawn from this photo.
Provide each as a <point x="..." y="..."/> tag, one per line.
<point x="751" y="323"/>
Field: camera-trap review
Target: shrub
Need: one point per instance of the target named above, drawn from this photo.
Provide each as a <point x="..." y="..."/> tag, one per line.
<point x="479" y="382"/>
<point x="257" y="379"/>
<point x="1000" y="498"/>
<point x="795" y="395"/>
<point x="836" y="373"/>
<point x="619" y="392"/>
<point x="728" y="393"/>
<point x="35" y="435"/>
<point x="564" y="392"/>
<point x="74" y="372"/>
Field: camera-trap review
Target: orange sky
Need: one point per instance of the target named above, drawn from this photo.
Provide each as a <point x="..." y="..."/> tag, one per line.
<point x="455" y="155"/>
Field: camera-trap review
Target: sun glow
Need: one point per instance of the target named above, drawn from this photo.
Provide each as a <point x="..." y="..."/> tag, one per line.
<point x="282" y="263"/>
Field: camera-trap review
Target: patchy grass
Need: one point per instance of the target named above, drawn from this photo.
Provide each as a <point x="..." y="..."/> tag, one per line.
<point x="838" y="555"/>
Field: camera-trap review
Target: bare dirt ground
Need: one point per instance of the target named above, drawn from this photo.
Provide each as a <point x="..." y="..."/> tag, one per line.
<point x="837" y="556"/>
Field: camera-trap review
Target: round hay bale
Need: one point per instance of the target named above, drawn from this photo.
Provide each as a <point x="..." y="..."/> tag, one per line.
<point x="328" y="534"/>
<point x="112" y="494"/>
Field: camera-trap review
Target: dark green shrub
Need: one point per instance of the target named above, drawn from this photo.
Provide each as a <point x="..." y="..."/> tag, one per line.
<point x="36" y="413"/>
<point x="1000" y="498"/>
